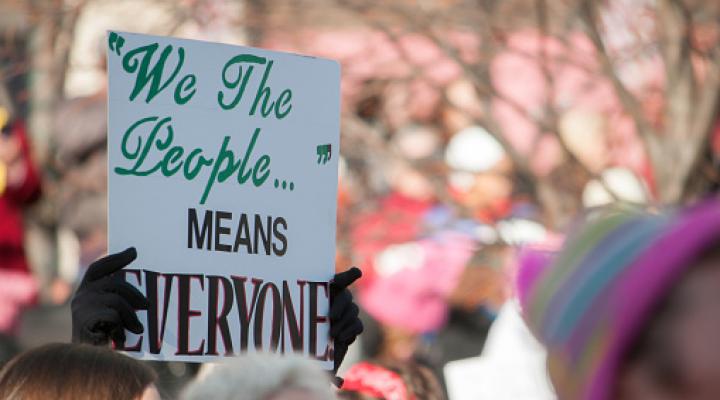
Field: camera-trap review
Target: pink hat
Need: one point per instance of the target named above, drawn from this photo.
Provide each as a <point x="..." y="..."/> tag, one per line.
<point x="414" y="281"/>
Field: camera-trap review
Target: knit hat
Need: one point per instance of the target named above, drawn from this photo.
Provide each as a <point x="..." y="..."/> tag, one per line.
<point x="591" y="301"/>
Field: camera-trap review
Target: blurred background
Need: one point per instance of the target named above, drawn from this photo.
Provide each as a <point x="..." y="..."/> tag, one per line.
<point x="470" y="128"/>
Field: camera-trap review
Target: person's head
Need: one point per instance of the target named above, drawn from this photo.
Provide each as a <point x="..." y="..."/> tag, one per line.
<point x="483" y="280"/>
<point x="64" y="371"/>
<point x="629" y="308"/>
<point x="7" y="108"/>
<point x="675" y="356"/>
<point x="262" y="377"/>
<point x="390" y="381"/>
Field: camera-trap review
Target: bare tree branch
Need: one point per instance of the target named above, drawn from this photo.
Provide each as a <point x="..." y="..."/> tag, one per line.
<point x="587" y="14"/>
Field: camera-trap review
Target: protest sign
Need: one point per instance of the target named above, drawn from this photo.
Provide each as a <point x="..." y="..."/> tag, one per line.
<point x="222" y="164"/>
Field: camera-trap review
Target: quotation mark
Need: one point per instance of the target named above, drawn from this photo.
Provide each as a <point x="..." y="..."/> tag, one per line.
<point x="115" y="42"/>
<point x="324" y="153"/>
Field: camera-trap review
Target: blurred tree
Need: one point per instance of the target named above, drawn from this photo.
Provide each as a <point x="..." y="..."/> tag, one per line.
<point x="543" y="70"/>
<point x="53" y="25"/>
<point x="569" y="88"/>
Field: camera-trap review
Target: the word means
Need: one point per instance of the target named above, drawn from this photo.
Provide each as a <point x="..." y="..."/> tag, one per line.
<point x="268" y="233"/>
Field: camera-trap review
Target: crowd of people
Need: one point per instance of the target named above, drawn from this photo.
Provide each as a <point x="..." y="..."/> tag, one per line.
<point x="461" y="292"/>
<point x="626" y="308"/>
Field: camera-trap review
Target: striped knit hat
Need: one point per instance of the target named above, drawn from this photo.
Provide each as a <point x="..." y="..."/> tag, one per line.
<point x="591" y="301"/>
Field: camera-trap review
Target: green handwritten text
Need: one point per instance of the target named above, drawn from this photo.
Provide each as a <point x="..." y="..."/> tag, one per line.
<point x="143" y="142"/>
<point x="263" y="100"/>
<point x="139" y="61"/>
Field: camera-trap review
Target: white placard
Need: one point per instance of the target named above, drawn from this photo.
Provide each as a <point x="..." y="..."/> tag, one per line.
<point x="223" y="174"/>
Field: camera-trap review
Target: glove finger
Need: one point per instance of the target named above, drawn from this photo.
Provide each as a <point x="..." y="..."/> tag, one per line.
<point x="110" y="264"/>
<point x="338" y="381"/>
<point x="349" y="335"/>
<point x="339" y="353"/>
<point x="128" y="292"/>
<point x="118" y="336"/>
<point x="347" y="319"/>
<point x="339" y="303"/>
<point x="344" y="279"/>
<point x="127" y="314"/>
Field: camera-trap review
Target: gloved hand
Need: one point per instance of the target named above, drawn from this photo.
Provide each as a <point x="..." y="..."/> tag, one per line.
<point x="345" y="325"/>
<point x="104" y="305"/>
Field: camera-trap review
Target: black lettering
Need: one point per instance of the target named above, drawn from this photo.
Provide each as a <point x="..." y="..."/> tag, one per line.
<point x="276" y="317"/>
<point x="219" y="320"/>
<point x="185" y="313"/>
<point x="138" y="345"/>
<point x="296" y="330"/>
<point x="262" y="232"/>
<point x="245" y="313"/>
<point x="280" y="236"/>
<point x="155" y="325"/>
<point x="316" y="319"/>
<point x="243" y="235"/>
<point x="194" y="229"/>
<point x="221" y="230"/>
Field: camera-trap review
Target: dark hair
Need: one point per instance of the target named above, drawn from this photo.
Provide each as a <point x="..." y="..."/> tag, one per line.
<point x="420" y="382"/>
<point x="62" y="371"/>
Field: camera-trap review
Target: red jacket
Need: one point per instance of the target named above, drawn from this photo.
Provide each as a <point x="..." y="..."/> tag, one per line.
<point x="12" y="201"/>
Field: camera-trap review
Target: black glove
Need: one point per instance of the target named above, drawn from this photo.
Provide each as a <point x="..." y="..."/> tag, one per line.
<point x="104" y="305"/>
<point x="345" y="325"/>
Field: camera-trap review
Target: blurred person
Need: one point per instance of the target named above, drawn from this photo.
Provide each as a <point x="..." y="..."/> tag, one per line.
<point x="482" y="283"/>
<point x="416" y="274"/>
<point x="390" y="381"/>
<point x="511" y="363"/>
<point x="19" y="186"/>
<point x="79" y="161"/>
<point x="416" y="278"/>
<point x="629" y="308"/>
<point x="480" y="175"/>
<point x="398" y="219"/>
<point x="104" y="305"/>
<point x="9" y="348"/>
<point x="262" y="376"/>
<point x="473" y="304"/>
<point x="62" y="371"/>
